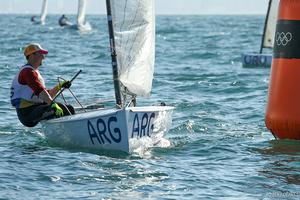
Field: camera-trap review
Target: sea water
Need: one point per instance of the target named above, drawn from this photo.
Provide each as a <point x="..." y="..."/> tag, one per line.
<point x="218" y="145"/>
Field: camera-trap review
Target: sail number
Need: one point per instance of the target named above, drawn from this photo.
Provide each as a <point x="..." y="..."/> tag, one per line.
<point x="255" y="60"/>
<point x="143" y="125"/>
<point x="103" y="131"/>
<point x="108" y="130"/>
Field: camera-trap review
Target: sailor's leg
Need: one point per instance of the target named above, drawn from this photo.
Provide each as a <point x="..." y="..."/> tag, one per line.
<point x="32" y="115"/>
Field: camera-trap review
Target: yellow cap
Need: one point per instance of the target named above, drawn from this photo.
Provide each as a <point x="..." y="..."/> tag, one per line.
<point x="34" y="47"/>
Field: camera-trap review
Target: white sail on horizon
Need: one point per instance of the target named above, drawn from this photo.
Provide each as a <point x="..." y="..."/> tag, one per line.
<point x="134" y="30"/>
<point x="44" y="11"/>
<point x="269" y="35"/>
<point x="81" y="12"/>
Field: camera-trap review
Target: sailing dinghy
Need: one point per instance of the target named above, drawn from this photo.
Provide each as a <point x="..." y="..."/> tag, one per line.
<point x="132" y="40"/>
<point x="43" y="15"/>
<point x="264" y="59"/>
<point x="81" y="24"/>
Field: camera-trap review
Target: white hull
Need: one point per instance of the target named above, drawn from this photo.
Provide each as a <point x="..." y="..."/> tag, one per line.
<point x="257" y="60"/>
<point x="80" y="27"/>
<point x="111" y="129"/>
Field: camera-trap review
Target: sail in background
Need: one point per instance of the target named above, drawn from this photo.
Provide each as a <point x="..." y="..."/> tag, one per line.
<point x="44" y="11"/>
<point x="81" y="12"/>
<point x="269" y="36"/>
<point x="134" y="30"/>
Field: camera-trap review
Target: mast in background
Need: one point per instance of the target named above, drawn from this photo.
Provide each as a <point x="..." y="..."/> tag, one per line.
<point x="116" y="80"/>
<point x="265" y="27"/>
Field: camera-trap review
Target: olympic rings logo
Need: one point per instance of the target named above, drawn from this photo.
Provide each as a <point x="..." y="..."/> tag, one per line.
<point x="283" y="38"/>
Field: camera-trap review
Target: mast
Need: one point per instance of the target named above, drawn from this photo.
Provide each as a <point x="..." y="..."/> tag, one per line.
<point x="116" y="80"/>
<point x="265" y="27"/>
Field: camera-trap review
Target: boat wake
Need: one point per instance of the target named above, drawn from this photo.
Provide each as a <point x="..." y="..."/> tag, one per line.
<point x="142" y="145"/>
<point x="84" y="27"/>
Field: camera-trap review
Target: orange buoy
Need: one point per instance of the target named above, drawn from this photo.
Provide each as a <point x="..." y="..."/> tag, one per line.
<point x="283" y="106"/>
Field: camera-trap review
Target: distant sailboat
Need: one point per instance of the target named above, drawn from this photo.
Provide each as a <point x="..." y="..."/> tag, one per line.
<point x="43" y="14"/>
<point x="81" y="21"/>
<point x="263" y="59"/>
<point x="131" y="29"/>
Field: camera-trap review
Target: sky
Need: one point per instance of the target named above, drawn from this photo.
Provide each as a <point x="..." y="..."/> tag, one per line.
<point x="185" y="7"/>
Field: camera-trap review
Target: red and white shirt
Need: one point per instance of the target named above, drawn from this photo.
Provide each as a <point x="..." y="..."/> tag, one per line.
<point x="26" y="87"/>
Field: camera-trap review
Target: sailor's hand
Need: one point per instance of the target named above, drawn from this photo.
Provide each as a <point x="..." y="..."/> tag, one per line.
<point x="58" y="111"/>
<point x="64" y="84"/>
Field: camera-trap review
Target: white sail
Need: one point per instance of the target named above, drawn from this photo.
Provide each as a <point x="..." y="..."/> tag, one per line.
<point x="44" y="11"/>
<point x="134" y="30"/>
<point x="270" y="25"/>
<point x="81" y="12"/>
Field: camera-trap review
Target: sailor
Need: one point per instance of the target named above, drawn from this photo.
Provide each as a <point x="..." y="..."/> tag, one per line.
<point x="33" y="19"/>
<point x="63" y="21"/>
<point x="33" y="102"/>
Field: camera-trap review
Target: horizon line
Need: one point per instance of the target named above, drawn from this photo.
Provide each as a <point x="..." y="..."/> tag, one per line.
<point x="17" y="13"/>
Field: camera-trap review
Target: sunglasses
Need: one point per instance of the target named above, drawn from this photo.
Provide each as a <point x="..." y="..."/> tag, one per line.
<point x="39" y="54"/>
